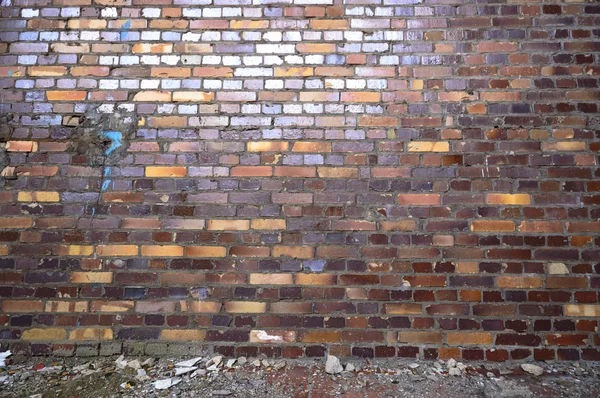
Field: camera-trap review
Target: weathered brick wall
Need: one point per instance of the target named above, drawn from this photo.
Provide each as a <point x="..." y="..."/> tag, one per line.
<point x="296" y="177"/>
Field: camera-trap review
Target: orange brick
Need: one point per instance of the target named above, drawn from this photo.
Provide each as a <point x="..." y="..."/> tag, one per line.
<point x="171" y="72"/>
<point x="213" y="72"/>
<point x="311" y="146"/>
<point x="417" y="199"/>
<point x="500" y="96"/>
<point x="116" y="250"/>
<point x="66" y="95"/>
<point x="492" y="226"/>
<point x="360" y="96"/>
<point x="152" y="96"/>
<point x="87" y="24"/>
<point x="154" y="48"/>
<point x="402" y="225"/>
<point x="251" y="171"/>
<point x="427" y="146"/>
<point x="403" y="309"/>
<point x="541" y="226"/>
<point x="469" y="338"/>
<point x="22" y="306"/>
<point x="90" y="71"/>
<point x="16" y="222"/>
<point x="270" y="279"/>
<point x="295" y="171"/>
<point x="563" y="146"/>
<point x="337" y="172"/>
<point x="497" y="47"/>
<point x="316" y="96"/>
<point x="455" y="96"/>
<point x="294" y="71"/>
<point x="267" y="146"/>
<point x="329" y="24"/>
<point x="141" y="223"/>
<point x="162" y="251"/>
<point x="21" y="146"/>
<point x="293" y="251"/>
<point x="420" y="337"/>
<point x="519" y="282"/>
<point x="383" y="121"/>
<point x="166" y="171"/>
<point x="205" y="251"/>
<point x="228" y="225"/>
<point x="267" y="223"/>
<point x="508" y="199"/>
<point x="315" y="279"/>
<point x="315" y="47"/>
<point x="321" y="336"/>
<point x="476" y="109"/>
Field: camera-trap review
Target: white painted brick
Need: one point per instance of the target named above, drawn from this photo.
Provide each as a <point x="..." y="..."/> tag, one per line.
<point x="170" y="84"/>
<point x="211" y="13"/>
<point x="273" y="60"/>
<point x="108" y="84"/>
<point x="232" y="84"/>
<point x="150" y="84"/>
<point x="129" y="60"/>
<point x="314" y="84"/>
<point x="272" y="36"/>
<point x="30" y="13"/>
<point x="151" y="35"/>
<point x="273" y="84"/>
<point x="213" y="84"/>
<point x="230" y="60"/>
<point x="333" y="35"/>
<point x="353" y="36"/>
<point x="130" y="84"/>
<point x="252" y="60"/>
<point x="294" y="59"/>
<point x="190" y="36"/>
<point x="232" y="12"/>
<point x="211" y="36"/>
<point x="336" y="84"/>
<point x="90" y="36"/>
<point x="109" y="12"/>
<point x="292" y="36"/>
<point x="275" y="48"/>
<point x="292" y="108"/>
<point x="356" y="83"/>
<point x="211" y="60"/>
<point x="192" y="12"/>
<point x="170" y="59"/>
<point x="314" y="59"/>
<point x="150" y="60"/>
<point x="153" y="12"/>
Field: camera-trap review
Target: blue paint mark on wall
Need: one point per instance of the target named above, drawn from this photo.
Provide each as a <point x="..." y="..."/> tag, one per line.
<point x="115" y="138"/>
<point x="124" y="29"/>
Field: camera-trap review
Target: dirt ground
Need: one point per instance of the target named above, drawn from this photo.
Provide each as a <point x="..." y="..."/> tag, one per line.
<point x="137" y="377"/>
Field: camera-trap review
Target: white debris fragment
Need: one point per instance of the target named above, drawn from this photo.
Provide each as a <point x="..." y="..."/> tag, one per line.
<point x="181" y="370"/>
<point x="166" y="383"/>
<point x="189" y="362"/>
<point x="3" y="356"/>
<point x="532" y="369"/>
<point x="242" y="361"/>
<point x="333" y="365"/>
<point x="230" y="363"/>
<point x="451" y="363"/>
<point x="350" y="367"/>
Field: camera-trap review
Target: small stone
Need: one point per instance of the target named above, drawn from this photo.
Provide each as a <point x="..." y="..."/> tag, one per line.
<point x="216" y="361"/>
<point x="166" y="383"/>
<point x="266" y="363"/>
<point x="279" y="365"/>
<point x="230" y="363"/>
<point x="135" y="364"/>
<point x="180" y="370"/>
<point x="350" y="367"/>
<point x="532" y="369"/>
<point x="461" y="366"/>
<point x="451" y="363"/>
<point x="222" y="392"/>
<point x="333" y="365"/>
<point x="242" y="361"/>
<point x="413" y="365"/>
<point x="454" y="372"/>
<point x="256" y="362"/>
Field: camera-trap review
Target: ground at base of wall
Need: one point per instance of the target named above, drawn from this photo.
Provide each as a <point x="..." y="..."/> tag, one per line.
<point x="241" y="377"/>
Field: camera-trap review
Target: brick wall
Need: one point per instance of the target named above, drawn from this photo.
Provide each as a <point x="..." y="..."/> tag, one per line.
<point x="295" y="177"/>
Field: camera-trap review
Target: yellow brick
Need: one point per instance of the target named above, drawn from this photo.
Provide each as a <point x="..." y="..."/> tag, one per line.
<point x="245" y="307"/>
<point x="38" y="196"/>
<point x="93" y="334"/>
<point x="271" y="279"/>
<point x="91" y="277"/>
<point x="74" y="250"/>
<point x="268" y="223"/>
<point x="508" y="199"/>
<point x="426" y="146"/>
<point x="44" y="334"/>
<point x="583" y="310"/>
<point x="193" y="96"/>
<point x="247" y="24"/>
<point x="469" y="338"/>
<point x="201" y="306"/>
<point x="467" y="267"/>
<point x="420" y="337"/>
<point x="166" y="171"/>
<point x="117" y="250"/>
<point x="337" y="172"/>
<point x="228" y="225"/>
<point x="162" y="251"/>
<point x="183" y="334"/>
<point x="112" y="306"/>
<point x="492" y="226"/>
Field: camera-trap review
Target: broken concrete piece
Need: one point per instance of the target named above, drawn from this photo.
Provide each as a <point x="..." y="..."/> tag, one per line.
<point x="333" y="365"/>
